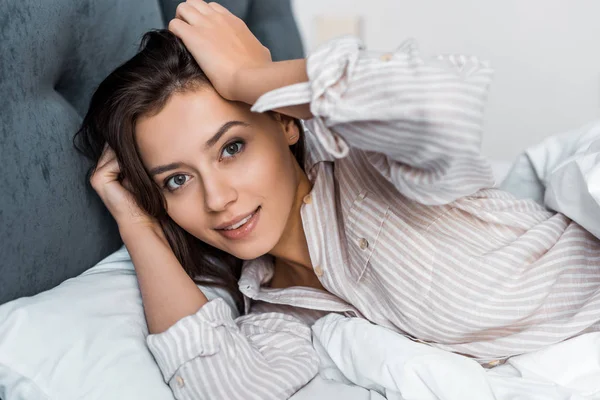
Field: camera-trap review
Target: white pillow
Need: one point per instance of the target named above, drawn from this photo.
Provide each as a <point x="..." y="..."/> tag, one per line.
<point x="84" y="339"/>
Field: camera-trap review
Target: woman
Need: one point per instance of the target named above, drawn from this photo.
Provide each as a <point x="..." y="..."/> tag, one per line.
<point x="388" y="215"/>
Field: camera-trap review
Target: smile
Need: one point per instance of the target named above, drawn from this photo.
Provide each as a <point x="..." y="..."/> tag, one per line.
<point x="243" y="228"/>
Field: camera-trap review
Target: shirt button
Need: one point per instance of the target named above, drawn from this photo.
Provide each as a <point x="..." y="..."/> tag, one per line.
<point x="180" y="381"/>
<point x="493" y="363"/>
<point x="319" y="271"/>
<point x="386" y="57"/>
<point x="363" y="243"/>
<point x="307" y="199"/>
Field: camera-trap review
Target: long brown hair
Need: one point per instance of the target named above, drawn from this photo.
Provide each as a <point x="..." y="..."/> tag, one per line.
<point x="140" y="87"/>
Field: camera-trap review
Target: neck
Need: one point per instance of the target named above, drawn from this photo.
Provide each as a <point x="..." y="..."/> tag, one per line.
<point x="292" y="248"/>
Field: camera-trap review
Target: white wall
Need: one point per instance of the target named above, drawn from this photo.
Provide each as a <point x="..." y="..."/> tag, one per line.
<point x="546" y="54"/>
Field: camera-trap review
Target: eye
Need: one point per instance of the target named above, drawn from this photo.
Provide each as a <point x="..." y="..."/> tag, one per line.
<point x="232" y="149"/>
<point x="175" y="182"/>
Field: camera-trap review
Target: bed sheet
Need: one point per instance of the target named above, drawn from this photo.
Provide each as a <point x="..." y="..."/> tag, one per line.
<point x="365" y="361"/>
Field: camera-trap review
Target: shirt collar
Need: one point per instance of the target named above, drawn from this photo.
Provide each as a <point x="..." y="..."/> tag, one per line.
<point x="256" y="273"/>
<point x="315" y="152"/>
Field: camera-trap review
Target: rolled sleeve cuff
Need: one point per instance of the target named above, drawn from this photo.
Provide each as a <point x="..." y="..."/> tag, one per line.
<point x="328" y="70"/>
<point x="190" y="337"/>
<point x="325" y="68"/>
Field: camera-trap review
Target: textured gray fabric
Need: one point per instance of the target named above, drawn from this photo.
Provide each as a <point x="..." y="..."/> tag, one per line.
<point x="237" y="7"/>
<point x="272" y="21"/>
<point x="53" y="53"/>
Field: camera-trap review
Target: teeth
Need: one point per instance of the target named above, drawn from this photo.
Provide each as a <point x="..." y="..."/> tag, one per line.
<point x="242" y="222"/>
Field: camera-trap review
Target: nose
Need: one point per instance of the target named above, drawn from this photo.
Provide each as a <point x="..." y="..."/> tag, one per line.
<point x="218" y="193"/>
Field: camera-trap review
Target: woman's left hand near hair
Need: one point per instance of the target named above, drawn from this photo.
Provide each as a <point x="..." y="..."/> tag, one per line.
<point x="220" y="42"/>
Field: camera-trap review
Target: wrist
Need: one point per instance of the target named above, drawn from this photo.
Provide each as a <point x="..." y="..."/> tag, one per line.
<point x="242" y="86"/>
<point x="252" y="82"/>
<point x="132" y="231"/>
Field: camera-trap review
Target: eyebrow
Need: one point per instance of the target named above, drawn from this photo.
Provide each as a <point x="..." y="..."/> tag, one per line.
<point x="209" y="143"/>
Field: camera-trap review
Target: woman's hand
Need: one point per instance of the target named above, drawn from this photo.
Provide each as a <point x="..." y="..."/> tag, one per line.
<point x="221" y="44"/>
<point x="116" y="197"/>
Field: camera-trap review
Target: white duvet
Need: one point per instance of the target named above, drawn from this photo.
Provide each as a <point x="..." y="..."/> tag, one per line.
<point x="361" y="361"/>
<point x="386" y="365"/>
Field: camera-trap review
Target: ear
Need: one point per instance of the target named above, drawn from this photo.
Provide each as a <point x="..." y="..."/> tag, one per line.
<point x="290" y="128"/>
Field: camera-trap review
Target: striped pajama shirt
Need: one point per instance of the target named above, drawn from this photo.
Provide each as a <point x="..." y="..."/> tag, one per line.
<point x="404" y="228"/>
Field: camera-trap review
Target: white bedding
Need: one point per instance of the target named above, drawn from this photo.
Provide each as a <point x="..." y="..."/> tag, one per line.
<point x="362" y="361"/>
<point x="385" y="364"/>
<point x="563" y="172"/>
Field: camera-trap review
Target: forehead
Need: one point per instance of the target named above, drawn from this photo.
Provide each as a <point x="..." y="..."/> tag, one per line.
<point x="187" y="119"/>
<point x="201" y="110"/>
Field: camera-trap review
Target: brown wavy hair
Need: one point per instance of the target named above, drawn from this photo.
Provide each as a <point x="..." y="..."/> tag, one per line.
<point x="140" y="87"/>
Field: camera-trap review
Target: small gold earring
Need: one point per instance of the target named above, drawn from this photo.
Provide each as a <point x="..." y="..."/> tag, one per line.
<point x="293" y="137"/>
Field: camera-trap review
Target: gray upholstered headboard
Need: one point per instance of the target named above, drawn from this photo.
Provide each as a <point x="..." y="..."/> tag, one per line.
<point x="53" y="53"/>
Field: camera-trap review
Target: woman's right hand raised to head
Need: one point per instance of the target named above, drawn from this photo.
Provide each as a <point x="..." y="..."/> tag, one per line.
<point x="116" y="196"/>
<point x="238" y="66"/>
<point x="220" y="42"/>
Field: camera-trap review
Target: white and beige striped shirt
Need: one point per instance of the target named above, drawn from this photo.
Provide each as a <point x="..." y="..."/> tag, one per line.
<point x="403" y="229"/>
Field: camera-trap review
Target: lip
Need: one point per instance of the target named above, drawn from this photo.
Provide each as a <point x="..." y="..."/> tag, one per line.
<point x="235" y="220"/>
<point x="245" y="229"/>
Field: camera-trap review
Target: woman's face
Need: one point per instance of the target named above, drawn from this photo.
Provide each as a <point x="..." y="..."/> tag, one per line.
<point x="218" y="161"/>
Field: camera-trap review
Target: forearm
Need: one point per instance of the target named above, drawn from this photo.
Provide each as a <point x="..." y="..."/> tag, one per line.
<point x="168" y="293"/>
<point x="253" y="83"/>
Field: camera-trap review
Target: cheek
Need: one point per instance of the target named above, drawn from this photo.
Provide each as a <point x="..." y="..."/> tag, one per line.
<point x="269" y="176"/>
<point x="188" y="215"/>
<point x="269" y="165"/>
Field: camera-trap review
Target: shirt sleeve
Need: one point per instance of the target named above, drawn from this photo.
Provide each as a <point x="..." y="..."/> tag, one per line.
<point x="209" y="355"/>
<point x="418" y="122"/>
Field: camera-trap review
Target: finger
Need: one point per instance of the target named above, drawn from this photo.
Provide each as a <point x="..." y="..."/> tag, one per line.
<point x="182" y="30"/>
<point x="110" y="168"/>
<point x="188" y="13"/>
<point x="107" y="154"/>
<point x="201" y="6"/>
<point x="105" y="173"/>
<point x="218" y="8"/>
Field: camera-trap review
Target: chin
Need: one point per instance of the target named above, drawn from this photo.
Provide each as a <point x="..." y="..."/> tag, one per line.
<point x="252" y="250"/>
<point x="250" y="254"/>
